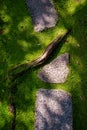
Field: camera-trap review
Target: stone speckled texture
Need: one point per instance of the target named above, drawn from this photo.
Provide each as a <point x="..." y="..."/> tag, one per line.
<point x="56" y="71"/>
<point x="53" y="110"/>
<point x="43" y="14"/>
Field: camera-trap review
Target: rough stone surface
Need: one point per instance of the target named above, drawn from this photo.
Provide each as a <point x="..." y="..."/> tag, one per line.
<point x="57" y="71"/>
<point x="53" y="110"/>
<point x="43" y="14"/>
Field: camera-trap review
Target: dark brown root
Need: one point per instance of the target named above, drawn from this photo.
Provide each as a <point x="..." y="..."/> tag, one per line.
<point x="39" y="61"/>
<point x="14" y="73"/>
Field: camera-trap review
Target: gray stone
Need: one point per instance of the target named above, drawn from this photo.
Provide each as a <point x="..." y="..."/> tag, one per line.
<point x="43" y="14"/>
<point x="53" y="110"/>
<point x="56" y="71"/>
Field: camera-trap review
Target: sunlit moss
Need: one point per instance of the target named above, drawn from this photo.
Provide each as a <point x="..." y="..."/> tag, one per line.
<point x="24" y="44"/>
<point x="5" y="115"/>
<point x="20" y="44"/>
<point x="25" y="24"/>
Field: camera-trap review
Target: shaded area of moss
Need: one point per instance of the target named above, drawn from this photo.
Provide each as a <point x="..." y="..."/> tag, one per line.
<point x="19" y="44"/>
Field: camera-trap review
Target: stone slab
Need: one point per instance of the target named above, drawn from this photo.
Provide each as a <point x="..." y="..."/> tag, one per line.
<point x="43" y="14"/>
<point x="53" y="110"/>
<point x="56" y="71"/>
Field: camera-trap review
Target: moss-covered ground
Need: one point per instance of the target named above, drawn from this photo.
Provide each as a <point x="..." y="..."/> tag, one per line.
<point x="19" y="44"/>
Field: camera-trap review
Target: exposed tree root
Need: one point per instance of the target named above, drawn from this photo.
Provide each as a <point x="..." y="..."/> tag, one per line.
<point x="20" y="70"/>
<point x="23" y="68"/>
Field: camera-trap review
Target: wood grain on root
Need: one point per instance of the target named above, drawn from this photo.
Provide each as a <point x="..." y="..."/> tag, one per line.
<point x="39" y="61"/>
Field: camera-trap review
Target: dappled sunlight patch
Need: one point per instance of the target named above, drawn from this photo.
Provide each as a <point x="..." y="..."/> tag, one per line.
<point x="77" y="65"/>
<point x="72" y="41"/>
<point x="33" y="55"/>
<point x="6" y="30"/>
<point x="25" y="120"/>
<point x="5" y="115"/>
<point x="72" y="6"/>
<point x="4" y="16"/>
<point x="25" y="45"/>
<point x="48" y="36"/>
<point x="82" y="1"/>
<point x="5" y="22"/>
<point x="25" y="105"/>
<point x="25" y="24"/>
<point x="20" y="44"/>
<point x="74" y="76"/>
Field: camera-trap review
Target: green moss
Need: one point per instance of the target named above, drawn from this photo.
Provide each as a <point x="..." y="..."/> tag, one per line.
<point x="19" y="44"/>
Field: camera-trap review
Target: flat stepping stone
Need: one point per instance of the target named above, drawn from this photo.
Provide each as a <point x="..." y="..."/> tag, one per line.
<point x="43" y="14"/>
<point x="53" y="110"/>
<point x="56" y="71"/>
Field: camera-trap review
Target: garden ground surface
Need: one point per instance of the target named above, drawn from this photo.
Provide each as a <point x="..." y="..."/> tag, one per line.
<point x="19" y="44"/>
